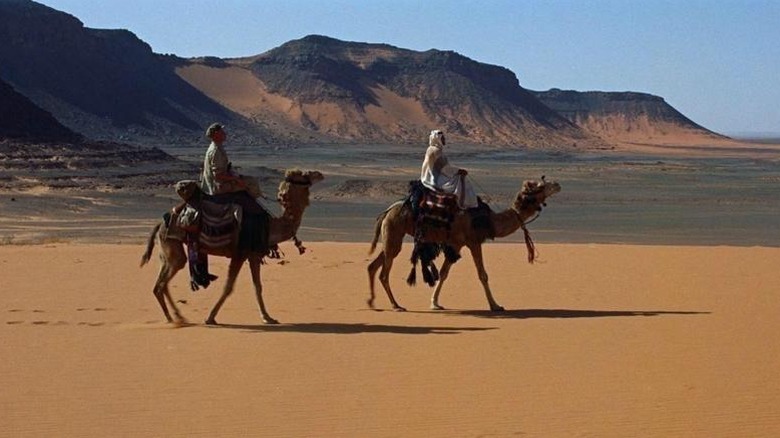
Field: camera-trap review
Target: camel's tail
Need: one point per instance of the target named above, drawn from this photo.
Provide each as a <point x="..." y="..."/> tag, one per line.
<point x="150" y="245"/>
<point x="378" y="230"/>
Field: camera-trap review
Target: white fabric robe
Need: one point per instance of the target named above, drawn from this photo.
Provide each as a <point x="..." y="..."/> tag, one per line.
<point x="437" y="174"/>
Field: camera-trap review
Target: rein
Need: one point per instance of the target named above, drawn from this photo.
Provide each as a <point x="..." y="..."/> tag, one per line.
<point x="529" y="243"/>
<point x="488" y="198"/>
<point x="298" y="183"/>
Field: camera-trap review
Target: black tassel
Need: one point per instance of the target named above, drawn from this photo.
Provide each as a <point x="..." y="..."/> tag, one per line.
<point x="427" y="276"/>
<point x="411" y="280"/>
<point x="434" y="273"/>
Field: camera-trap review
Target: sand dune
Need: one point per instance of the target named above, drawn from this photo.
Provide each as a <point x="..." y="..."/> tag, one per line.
<point x="598" y="340"/>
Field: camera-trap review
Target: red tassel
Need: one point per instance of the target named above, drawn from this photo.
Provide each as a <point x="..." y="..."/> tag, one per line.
<point x="529" y="244"/>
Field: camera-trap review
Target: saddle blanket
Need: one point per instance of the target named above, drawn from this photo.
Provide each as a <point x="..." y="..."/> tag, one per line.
<point x="217" y="225"/>
<point x="438" y="208"/>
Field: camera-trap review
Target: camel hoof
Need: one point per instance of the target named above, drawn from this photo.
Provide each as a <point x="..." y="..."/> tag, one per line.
<point x="399" y="309"/>
<point x="269" y="320"/>
<point x="437" y="307"/>
<point x="496" y="308"/>
<point x="211" y="321"/>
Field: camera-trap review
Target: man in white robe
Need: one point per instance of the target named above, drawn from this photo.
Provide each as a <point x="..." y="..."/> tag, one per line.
<point x="437" y="174"/>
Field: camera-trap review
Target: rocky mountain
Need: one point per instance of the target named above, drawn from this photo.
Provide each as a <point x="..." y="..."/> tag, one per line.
<point x="37" y="150"/>
<point x="105" y="84"/>
<point x="109" y="85"/>
<point x="20" y="119"/>
<point x="626" y="116"/>
<point x="380" y="93"/>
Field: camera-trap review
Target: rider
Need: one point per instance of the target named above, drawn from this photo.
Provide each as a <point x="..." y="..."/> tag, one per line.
<point x="224" y="185"/>
<point x="218" y="178"/>
<point x="438" y="175"/>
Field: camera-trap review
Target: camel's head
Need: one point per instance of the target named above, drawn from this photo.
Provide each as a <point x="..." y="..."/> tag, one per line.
<point x="534" y="194"/>
<point x="294" y="190"/>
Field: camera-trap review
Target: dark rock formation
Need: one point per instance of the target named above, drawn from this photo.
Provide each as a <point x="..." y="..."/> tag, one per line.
<point x="105" y="84"/>
<point x="477" y="102"/>
<point x="22" y="120"/>
<point x="109" y="85"/>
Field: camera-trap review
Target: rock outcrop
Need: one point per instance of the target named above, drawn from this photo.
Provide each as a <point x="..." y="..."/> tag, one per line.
<point x="380" y="93"/>
<point x="20" y="119"/>
<point x="105" y="84"/>
<point x="109" y="85"/>
<point x="626" y="117"/>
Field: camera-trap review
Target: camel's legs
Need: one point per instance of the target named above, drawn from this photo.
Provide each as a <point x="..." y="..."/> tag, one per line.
<point x="254" y="267"/>
<point x="476" y="253"/>
<point x="443" y="273"/>
<point x="233" y="270"/>
<point x="384" y="278"/>
<point x="159" y="286"/>
<point x="372" y="268"/>
<point x="167" y="270"/>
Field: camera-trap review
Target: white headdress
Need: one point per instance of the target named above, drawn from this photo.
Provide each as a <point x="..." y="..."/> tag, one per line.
<point x="436" y="138"/>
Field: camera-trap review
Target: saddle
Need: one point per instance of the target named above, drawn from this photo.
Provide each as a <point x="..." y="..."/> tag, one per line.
<point x="431" y="208"/>
<point x="433" y="214"/>
<point x="219" y="226"/>
<point x="214" y="225"/>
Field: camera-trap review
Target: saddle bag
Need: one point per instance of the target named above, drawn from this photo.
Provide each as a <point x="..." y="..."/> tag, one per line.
<point x="438" y="209"/>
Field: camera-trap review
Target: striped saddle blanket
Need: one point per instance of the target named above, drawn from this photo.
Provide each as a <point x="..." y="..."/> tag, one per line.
<point x="217" y="225"/>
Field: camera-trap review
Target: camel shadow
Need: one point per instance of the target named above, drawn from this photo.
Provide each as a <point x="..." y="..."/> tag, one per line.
<point x="566" y="313"/>
<point x="348" y="328"/>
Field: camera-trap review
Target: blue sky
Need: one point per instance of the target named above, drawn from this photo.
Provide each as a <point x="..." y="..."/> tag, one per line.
<point x="716" y="61"/>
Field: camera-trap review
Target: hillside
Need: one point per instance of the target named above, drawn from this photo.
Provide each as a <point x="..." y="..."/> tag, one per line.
<point x="380" y="93"/>
<point x="108" y="84"/>
<point x="627" y="117"/>
<point x="20" y="119"/>
<point x="36" y="150"/>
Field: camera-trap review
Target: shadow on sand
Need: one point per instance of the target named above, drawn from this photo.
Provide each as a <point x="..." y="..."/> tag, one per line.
<point x="359" y="328"/>
<point x="565" y="313"/>
<point x="350" y="328"/>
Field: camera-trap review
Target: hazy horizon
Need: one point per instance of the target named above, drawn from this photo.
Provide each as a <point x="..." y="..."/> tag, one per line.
<point x="716" y="61"/>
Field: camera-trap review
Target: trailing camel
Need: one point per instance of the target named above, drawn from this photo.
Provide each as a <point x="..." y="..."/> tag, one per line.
<point x="294" y="198"/>
<point x="397" y="221"/>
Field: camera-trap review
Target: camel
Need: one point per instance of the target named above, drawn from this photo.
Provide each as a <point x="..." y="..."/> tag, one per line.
<point x="294" y="198"/>
<point x="396" y="222"/>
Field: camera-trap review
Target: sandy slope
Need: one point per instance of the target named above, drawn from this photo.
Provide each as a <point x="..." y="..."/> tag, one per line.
<point x="599" y="341"/>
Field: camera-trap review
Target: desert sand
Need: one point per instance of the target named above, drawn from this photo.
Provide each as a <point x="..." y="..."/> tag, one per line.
<point x="597" y="340"/>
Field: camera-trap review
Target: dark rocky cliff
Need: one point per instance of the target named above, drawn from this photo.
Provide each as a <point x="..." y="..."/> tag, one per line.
<point x="106" y="84"/>
<point x="20" y="119"/>
<point x="478" y="102"/>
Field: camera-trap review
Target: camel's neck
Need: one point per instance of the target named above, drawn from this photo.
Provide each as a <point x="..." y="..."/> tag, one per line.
<point x="510" y="220"/>
<point x="285" y="227"/>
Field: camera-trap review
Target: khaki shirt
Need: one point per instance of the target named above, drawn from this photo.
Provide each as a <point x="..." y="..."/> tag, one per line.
<point x="215" y="164"/>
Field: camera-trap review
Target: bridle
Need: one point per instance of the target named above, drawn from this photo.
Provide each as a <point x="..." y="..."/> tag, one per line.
<point x="526" y="200"/>
<point x="307" y="182"/>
